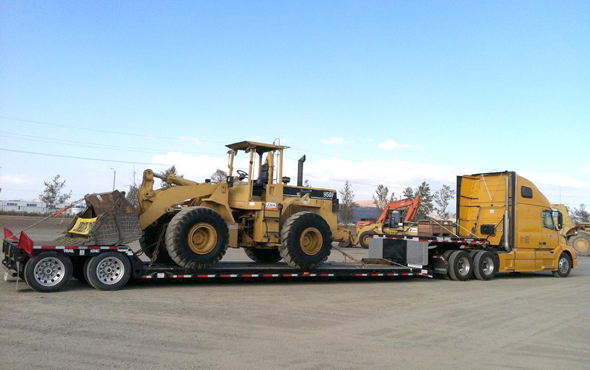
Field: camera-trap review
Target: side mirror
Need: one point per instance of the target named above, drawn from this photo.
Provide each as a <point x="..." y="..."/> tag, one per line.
<point x="559" y="220"/>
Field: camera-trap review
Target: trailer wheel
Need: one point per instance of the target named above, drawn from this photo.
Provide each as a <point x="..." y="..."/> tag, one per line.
<point x="108" y="271"/>
<point x="48" y="272"/>
<point x="484" y="265"/>
<point x="564" y="266"/>
<point x="306" y="240"/>
<point x="263" y="255"/>
<point x="580" y="242"/>
<point x="197" y="237"/>
<point x="460" y="266"/>
<point x="365" y="238"/>
<point x="151" y="235"/>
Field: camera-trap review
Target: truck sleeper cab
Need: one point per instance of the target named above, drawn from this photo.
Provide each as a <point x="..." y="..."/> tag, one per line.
<point x="516" y="219"/>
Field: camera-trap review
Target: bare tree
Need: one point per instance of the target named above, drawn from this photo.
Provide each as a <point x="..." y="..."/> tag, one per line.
<point x="579" y="215"/>
<point x="133" y="193"/>
<point x="442" y="198"/>
<point x="347" y="204"/>
<point x="170" y="171"/>
<point x="382" y="197"/>
<point x="306" y="183"/>
<point x="52" y="195"/>
<point x="219" y="176"/>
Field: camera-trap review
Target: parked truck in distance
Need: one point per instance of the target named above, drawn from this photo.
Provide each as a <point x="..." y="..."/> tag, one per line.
<point x="577" y="234"/>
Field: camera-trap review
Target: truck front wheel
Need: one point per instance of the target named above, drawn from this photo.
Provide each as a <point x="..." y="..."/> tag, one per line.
<point x="460" y="266"/>
<point x="564" y="266"/>
<point x="197" y="237"/>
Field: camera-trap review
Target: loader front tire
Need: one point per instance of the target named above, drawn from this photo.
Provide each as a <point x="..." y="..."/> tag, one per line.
<point x="365" y="239"/>
<point x="197" y="237"/>
<point x="306" y="240"/>
<point x="580" y="242"/>
<point x="151" y="235"/>
<point x="263" y="255"/>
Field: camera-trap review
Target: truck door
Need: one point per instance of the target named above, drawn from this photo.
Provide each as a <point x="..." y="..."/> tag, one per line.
<point x="547" y="242"/>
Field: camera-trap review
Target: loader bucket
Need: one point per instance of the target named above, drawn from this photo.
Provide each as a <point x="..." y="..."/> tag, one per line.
<point x="109" y="219"/>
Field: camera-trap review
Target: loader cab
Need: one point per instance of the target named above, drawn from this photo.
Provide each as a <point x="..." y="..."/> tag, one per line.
<point x="265" y="168"/>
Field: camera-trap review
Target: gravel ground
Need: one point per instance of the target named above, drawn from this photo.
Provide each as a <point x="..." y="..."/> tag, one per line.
<point x="523" y="321"/>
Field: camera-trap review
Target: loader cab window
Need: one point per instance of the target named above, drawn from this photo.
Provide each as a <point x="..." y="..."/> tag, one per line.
<point x="548" y="220"/>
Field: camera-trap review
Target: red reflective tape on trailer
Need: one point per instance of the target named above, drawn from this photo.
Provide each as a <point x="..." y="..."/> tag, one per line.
<point x="113" y="248"/>
<point x="224" y="275"/>
<point x="202" y="276"/>
<point x="391" y="274"/>
<point x="326" y="275"/>
<point x="48" y="247"/>
<point x="93" y="247"/>
<point x="71" y="247"/>
<point x="146" y="277"/>
<point x="290" y="275"/>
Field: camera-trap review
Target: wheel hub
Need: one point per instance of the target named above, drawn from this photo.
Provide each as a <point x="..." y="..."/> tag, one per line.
<point x="49" y="271"/>
<point x="488" y="266"/>
<point x="563" y="265"/>
<point x="581" y="245"/>
<point x="311" y="241"/>
<point x="202" y="238"/>
<point x="463" y="266"/>
<point x="110" y="270"/>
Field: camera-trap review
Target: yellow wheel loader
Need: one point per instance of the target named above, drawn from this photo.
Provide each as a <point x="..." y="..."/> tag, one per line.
<point x="576" y="234"/>
<point x="193" y="224"/>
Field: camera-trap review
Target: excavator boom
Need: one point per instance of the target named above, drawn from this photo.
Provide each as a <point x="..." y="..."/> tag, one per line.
<point x="414" y="204"/>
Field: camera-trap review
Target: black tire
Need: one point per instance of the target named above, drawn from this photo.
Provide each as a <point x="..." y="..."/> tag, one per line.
<point x="460" y="265"/>
<point x="151" y="235"/>
<point x="485" y="266"/>
<point x="263" y="255"/>
<point x="564" y="266"/>
<point x="314" y="231"/>
<point x="447" y="254"/>
<point x="580" y="242"/>
<point x="48" y="272"/>
<point x="197" y="238"/>
<point x="362" y="240"/>
<point x="108" y="271"/>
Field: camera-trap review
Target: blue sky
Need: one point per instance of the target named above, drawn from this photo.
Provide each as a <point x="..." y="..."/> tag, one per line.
<point x="373" y="91"/>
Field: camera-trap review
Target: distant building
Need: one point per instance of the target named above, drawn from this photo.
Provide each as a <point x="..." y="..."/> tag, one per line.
<point x="36" y="207"/>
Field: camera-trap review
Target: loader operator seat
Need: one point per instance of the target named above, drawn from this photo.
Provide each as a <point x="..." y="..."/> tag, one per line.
<point x="260" y="183"/>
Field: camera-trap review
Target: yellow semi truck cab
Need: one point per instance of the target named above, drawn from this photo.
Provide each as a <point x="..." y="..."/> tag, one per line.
<point x="517" y="220"/>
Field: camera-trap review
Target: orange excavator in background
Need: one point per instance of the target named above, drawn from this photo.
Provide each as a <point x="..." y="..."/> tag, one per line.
<point x="390" y="221"/>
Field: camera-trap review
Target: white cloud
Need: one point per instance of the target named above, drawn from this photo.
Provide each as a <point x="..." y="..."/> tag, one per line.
<point x="15" y="180"/>
<point x="334" y="140"/>
<point x="390" y="144"/>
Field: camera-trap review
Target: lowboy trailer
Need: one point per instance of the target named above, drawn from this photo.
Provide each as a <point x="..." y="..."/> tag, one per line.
<point x="50" y="268"/>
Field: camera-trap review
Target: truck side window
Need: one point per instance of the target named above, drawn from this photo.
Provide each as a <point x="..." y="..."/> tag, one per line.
<point x="548" y="220"/>
<point x="526" y="192"/>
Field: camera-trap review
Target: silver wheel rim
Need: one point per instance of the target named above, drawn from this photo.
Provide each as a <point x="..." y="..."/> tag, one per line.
<point x="488" y="266"/>
<point x="463" y="266"/>
<point x="110" y="270"/>
<point x="50" y="271"/>
<point x="564" y="265"/>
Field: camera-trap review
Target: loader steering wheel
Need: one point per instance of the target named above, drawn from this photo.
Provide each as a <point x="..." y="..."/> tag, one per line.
<point x="242" y="174"/>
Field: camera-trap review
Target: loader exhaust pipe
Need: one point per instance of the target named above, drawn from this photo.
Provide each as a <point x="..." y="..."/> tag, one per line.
<point x="507" y="216"/>
<point x="300" y="171"/>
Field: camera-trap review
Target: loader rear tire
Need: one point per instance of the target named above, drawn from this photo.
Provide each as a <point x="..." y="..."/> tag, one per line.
<point x="306" y="240"/>
<point x="580" y="242"/>
<point x="365" y="238"/>
<point x="197" y="237"/>
<point x="263" y="255"/>
<point x="151" y="235"/>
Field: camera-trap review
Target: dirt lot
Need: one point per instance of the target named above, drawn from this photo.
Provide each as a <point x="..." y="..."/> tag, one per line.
<point x="527" y="321"/>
